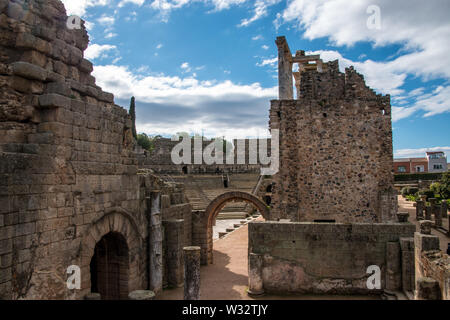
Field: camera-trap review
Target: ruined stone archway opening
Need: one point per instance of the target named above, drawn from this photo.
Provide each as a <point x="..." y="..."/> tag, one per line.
<point x="213" y="210"/>
<point x="109" y="267"/>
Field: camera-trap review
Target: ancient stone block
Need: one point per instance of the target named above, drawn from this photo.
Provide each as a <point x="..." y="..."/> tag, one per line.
<point x="29" y="71"/>
<point x="428" y="289"/>
<point x="53" y="100"/>
<point x="60" y="88"/>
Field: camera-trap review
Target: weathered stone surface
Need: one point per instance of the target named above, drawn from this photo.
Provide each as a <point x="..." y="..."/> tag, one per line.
<point x="255" y="278"/>
<point x="53" y="100"/>
<point x="428" y="289"/>
<point x="402" y="217"/>
<point x="191" y="273"/>
<point x="425" y="226"/>
<point x="68" y="173"/>
<point x="337" y="122"/>
<point x="142" y="295"/>
<point x="29" y="71"/>
<point x="327" y="258"/>
<point x="60" y="88"/>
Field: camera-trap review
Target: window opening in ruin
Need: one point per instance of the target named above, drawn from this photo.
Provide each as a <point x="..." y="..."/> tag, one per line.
<point x="185" y="170"/>
<point x="268" y="200"/>
<point x="109" y="267"/>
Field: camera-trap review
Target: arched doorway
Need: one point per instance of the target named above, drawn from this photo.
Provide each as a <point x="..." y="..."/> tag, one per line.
<point x="110" y="267"/>
<point x="214" y="209"/>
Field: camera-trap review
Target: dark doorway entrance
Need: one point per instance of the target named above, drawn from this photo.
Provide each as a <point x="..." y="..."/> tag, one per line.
<point x="109" y="267"/>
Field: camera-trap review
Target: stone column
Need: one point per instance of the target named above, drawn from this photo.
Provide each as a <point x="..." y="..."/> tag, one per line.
<point x="93" y="296"/>
<point x="141" y="295"/>
<point x="155" y="245"/>
<point x="444" y="209"/>
<point x="285" y="81"/>
<point x="408" y="273"/>
<point x="393" y="266"/>
<point x="437" y="216"/>
<point x="255" y="279"/>
<point x="191" y="273"/>
<point x="428" y="211"/>
<point x="174" y="236"/>
<point x="435" y="211"/>
<point x="428" y="289"/>
<point x="419" y="210"/>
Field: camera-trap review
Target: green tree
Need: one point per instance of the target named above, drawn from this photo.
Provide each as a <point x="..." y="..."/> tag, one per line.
<point x="133" y="117"/>
<point x="442" y="188"/>
<point x="144" y="141"/>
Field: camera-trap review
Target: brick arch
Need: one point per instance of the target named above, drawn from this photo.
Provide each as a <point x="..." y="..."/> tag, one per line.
<point x="213" y="210"/>
<point x="118" y="222"/>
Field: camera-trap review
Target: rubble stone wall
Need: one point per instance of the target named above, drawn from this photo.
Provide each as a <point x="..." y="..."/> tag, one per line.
<point x="335" y="151"/>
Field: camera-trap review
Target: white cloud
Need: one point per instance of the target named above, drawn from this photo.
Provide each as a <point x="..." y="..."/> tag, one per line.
<point x="136" y="2"/>
<point x="225" y="4"/>
<point x="185" y="66"/>
<point x="265" y="47"/>
<point x="89" y="25"/>
<point x="95" y="51"/>
<point x="435" y="103"/>
<point x="159" y="46"/>
<point x="423" y="30"/>
<point x="258" y="37"/>
<point x="260" y="11"/>
<point x="110" y="35"/>
<point x="78" y="7"/>
<point x="420" y="152"/>
<point x="169" y="104"/>
<point x="268" y="62"/>
<point x="106" y="20"/>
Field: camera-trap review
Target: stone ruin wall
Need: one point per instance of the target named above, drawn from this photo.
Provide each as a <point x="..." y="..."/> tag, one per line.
<point x="335" y="151"/>
<point x="68" y="174"/>
<point x="160" y="162"/>
<point x="432" y="266"/>
<point x="320" y="258"/>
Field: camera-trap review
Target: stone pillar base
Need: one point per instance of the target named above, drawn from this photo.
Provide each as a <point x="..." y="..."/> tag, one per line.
<point x="141" y="295"/>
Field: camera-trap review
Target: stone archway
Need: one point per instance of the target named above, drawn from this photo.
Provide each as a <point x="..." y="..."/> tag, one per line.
<point x="213" y="210"/>
<point x="110" y="267"/>
<point x="115" y="228"/>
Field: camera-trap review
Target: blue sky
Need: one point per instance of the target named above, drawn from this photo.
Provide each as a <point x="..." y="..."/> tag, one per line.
<point x="210" y="65"/>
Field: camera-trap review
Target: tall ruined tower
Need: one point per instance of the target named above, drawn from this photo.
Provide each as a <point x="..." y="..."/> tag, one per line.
<point x="335" y="144"/>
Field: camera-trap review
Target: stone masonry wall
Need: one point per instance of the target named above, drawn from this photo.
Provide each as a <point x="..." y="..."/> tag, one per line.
<point x="335" y="151"/>
<point x="68" y="174"/>
<point x="326" y="258"/>
<point x="159" y="160"/>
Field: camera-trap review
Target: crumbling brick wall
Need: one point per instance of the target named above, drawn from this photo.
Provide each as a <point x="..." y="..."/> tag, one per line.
<point x="335" y="150"/>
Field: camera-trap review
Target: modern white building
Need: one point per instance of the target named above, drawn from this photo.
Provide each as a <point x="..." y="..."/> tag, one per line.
<point x="437" y="161"/>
